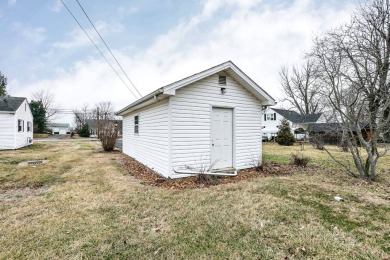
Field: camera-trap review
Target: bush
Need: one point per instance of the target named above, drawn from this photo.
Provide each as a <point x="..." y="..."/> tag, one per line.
<point x="299" y="160"/>
<point x="108" y="135"/>
<point x="205" y="179"/>
<point x="84" y="131"/>
<point x="257" y="163"/>
<point x="284" y="136"/>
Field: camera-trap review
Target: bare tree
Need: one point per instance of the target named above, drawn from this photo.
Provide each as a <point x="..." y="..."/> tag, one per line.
<point x="47" y="99"/>
<point x="107" y="126"/>
<point x="81" y="115"/>
<point x="104" y="113"/>
<point x="353" y="64"/>
<point x="300" y="87"/>
<point x="109" y="135"/>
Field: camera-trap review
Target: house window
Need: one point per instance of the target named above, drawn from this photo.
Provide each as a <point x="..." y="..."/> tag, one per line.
<point x="29" y="126"/>
<point x="271" y="117"/>
<point x="20" y="125"/>
<point x="222" y="80"/>
<point x="136" y="124"/>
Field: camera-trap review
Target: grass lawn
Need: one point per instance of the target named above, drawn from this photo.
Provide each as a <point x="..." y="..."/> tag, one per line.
<point x="83" y="204"/>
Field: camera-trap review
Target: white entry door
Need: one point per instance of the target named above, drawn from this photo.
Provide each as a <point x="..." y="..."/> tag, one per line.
<point x="222" y="138"/>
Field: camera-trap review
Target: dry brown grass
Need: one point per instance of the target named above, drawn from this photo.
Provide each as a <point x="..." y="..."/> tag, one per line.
<point x="83" y="204"/>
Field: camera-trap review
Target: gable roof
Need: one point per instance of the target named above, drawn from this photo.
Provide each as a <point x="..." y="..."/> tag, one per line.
<point x="228" y="67"/>
<point x="58" y="125"/>
<point x="296" y="117"/>
<point x="330" y="127"/>
<point x="10" y="104"/>
<point x="324" y="127"/>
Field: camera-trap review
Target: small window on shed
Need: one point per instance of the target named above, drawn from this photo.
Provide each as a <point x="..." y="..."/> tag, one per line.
<point x="222" y="80"/>
<point x="136" y="124"/>
<point x="20" y="125"/>
<point x="29" y="126"/>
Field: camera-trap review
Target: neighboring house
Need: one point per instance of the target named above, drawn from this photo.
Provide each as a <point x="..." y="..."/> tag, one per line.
<point x="332" y="133"/>
<point x="59" y="128"/>
<point x="211" y="119"/>
<point x="93" y="130"/>
<point x="16" y="123"/>
<point x="298" y="123"/>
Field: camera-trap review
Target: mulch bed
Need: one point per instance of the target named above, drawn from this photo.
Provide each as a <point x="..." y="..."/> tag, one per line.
<point x="150" y="177"/>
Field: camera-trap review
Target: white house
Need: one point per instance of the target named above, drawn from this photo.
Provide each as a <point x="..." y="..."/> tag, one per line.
<point x="59" y="128"/>
<point x="272" y="119"/>
<point x="16" y="123"/>
<point x="210" y="119"/>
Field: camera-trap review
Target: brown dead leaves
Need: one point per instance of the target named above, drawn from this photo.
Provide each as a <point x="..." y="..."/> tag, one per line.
<point x="150" y="177"/>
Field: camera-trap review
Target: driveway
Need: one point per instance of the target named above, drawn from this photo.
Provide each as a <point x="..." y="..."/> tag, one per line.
<point x="119" y="144"/>
<point x="64" y="138"/>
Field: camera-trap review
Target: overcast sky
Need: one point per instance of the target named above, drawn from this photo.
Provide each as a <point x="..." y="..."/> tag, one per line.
<point x="156" y="42"/>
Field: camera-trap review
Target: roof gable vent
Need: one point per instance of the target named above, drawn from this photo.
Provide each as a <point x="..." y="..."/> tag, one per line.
<point x="222" y="80"/>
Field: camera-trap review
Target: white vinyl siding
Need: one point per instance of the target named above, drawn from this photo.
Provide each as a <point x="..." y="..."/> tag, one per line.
<point x="150" y="145"/>
<point x="271" y="127"/>
<point x="191" y="122"/>
<point x="10" y="137"/>
<point x="23" y="113"/>
<point x="7" y="131"/>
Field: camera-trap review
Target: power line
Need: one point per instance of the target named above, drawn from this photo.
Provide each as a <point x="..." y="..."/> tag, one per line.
<point x="108" y="47"/>
<point x="70" y="12"/>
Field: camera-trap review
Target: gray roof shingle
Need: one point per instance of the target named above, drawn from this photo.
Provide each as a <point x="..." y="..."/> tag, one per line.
<point x="10" y="104"/>
<point x="296" y="117"/>
<point x="58" y="125"/>
<point x="330" y="127"/>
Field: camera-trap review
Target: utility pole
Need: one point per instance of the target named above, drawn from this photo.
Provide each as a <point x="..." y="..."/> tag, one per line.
<point x="97" y="125"/>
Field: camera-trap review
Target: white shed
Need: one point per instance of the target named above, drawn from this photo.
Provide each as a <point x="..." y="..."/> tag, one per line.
<point x="212" y="118"/>
<point x="59" y="128"/>
<point x="16" y="123"/>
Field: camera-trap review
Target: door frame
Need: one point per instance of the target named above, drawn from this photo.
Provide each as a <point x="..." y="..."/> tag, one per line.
<point x="233" y="130"/>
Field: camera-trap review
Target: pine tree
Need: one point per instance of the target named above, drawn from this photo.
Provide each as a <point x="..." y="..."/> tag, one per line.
<point x="84" y="131"/>
<point x="284" y="135"/>
<point x="39" y="115"/>
<point x="3" y="85"/>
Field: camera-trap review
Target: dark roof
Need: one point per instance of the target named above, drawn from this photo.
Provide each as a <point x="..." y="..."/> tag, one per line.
<point x="329" y="127"/>
<point x="58" y="125"/>
<point x="10" y="104"/>
<point x="324" y="127"/>
<point x="296" y="117"/>
<point x="92" y="122"/>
